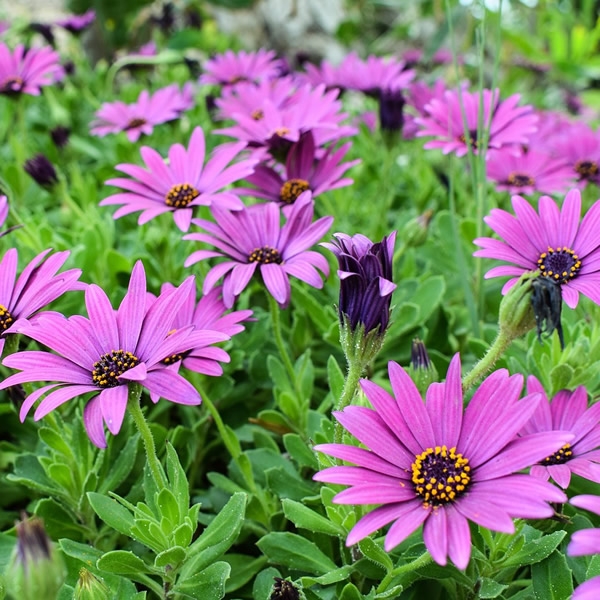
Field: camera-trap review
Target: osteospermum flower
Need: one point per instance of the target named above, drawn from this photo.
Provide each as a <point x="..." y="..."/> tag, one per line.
<point x="552" y="241"/>
<point x="435" y="465"/>
<point x="140" y="117"/>
<point x="101" y="354"/>
<point x="37" y="285"/>
<point x="182" y="184"/>
<point x="528" y="172"/>
<point x="303" y="171"/>
<point x="77" y="23"/>
<point x="232" y="67"/>
<point x="567" y="411"/>
<point x="26" y="70"/>
<point x="253" y="239"/>
<point x="584" y="542"/>
<point x="508" y="123"/>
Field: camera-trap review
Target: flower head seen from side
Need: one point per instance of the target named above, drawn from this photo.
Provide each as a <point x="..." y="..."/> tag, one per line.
<point x="439" y="465"/>
<point x="181" y="185"/>
<point x="528" y="172"/>
<point x="103" y="353"/>
<point x="567" y="411"/>
<point x="552" y="241"/>
<point x="585" y="542"/>
<point x="231" y="67"/>
<point x="75" y="24"/>
<point x="304" y="170"/>
<point x="508" y="123"/>
<point x="140" y="117"/>
<point x="252" y="239"/>
<point x="38" y="284"/>
<point x="27" y="70"/>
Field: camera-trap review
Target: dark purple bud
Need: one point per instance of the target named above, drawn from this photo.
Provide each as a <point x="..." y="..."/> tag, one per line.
<point x="41" y="170"/>
<point x="419" y="359"/>
<point x="44" y="30"/>
<point x="391" y="110"/>
<point x="284" y="590"/>
<point x="60" y="136"/>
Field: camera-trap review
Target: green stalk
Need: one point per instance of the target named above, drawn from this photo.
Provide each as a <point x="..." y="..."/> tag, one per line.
<point x="485" y="364"/>
<point x="423" y="560"/>
<point x="355" y="370"/>
<point x="135" y="410"/>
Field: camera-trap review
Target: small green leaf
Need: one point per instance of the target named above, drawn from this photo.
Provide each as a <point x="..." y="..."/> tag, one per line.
<point x="299" y="451"/>
<point x="111" y="512"/>
<point x="350" y="592"/>
<point x="121" y="562"/>
<point x="335" y="378"/>
<point x="305" y="374"/>
<point x="490" y="588"/>
<point x="172" y="557"/>
<point x="330" y="577"/>
<point x="263" y="584"/>
<point x="208" y="584"/>
<point x="535" y="550"/>
<point x="375" y="553"/>
<point x="55" y="441"/>
<point x="305" y="518"/>
<point x="169" y="509"/>
<point x="288" y="485"/>
<point x="295" y="552"/>
<point x="278" y="374"/>
<point x="178" y="480"/>
<point x="243" y="569"/>
<point x="120" y="467"/>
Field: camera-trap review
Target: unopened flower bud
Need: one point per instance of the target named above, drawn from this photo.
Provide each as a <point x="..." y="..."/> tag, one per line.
<point x="41" y="170"/>
<point x="516" y="314"/>
<point x="60" y="136"/>
<point x="414" y="233"/>
<point x="284" y="590"/>
<point x="90" y="587"/>
<point x="421" y="370"/>
<point x="36" y="571"/>
<point x="391" y="110"/>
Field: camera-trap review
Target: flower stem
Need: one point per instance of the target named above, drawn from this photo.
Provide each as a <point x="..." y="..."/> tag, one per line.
<point x="422" y="561"/>
<point x="283" y="353"/>
<point x="485" y="364"/>
<point x="355" y="370"/>
<point x="135" y="410"/>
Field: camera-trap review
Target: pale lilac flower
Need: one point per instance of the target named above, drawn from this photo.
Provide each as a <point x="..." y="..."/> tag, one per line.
<point x="77" y="23"/>
<point x="508" y="123"/>
<point x="567" y="411"/>
<point x="232" y="67"/>
<point x="101" y="354"/>
<point x="552" y="241"/>
<point x="37" y="285"/>
<point x="528" y="172"/>
<point x="584" y="542"/>
<point x="140" y="117"/>
<point x="439" y="465"/>
<point x="253" y="238"/>
<point x="26" y="70"/>
<point x="182" y="184"/>
<point x="303" y="171"/>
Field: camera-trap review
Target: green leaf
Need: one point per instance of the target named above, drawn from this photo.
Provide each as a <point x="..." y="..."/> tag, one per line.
<point x="552" y="578"/>
<point x="278" y="374"/>
<point x="178" y="480"/>
<point x="112" y="513"/>
<point x="208" y="584"/>
<point x="288" y="485"/>
<point x="122" y="562"/>
<point x="243" y="569"/>
<point x="263" y="584"/>
<point x="295" y="552"/>
<point x="55" y="441"/>
<point x="305" y="518"/>
<point x="169" y="509"/>
<point x="29" y="472"/>
<point x="218" y="537"/>
<point x="120" y="467"/>
<point x="490" y="588"/>
<point x="57" y="520"/>
<point x="335" y="378"/>
<point x="305" y="374"/>
<point x="172" y="557"/>
<point x="299" y="451"/>
<point x="350" y="592"/>
<point x="330" y="577"/>
<point x="375" y="553"/>
<point x="535" y="550"/>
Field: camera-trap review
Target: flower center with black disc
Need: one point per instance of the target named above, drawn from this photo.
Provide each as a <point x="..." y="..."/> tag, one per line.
<point x="440" y="475"/>
<point x="561" y="264"/>
<point x="111" y="365"/>
<point x="137" y="122"/>
<point x="11" y="85"/>
<point x="564" y="455"/>
<point x="265" y="256"/>
<point x="291" y="189"/>
<point x="520" y="180"/>
<point x="6" y="319"/>
<point x="586" y="168"/>
<point x="180" y="195"/>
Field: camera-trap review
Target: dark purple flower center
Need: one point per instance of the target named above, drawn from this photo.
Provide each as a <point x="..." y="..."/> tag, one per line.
<point x="6" y="319"/>
<point x="472" y="138"/>
<point x="561" y="264"/>
<point x="137" y="122"/>
<point x="586" y="168"/>
<point x="284" y="590"/>
<point x="11" y="85"/>
<point x="564" y="455"/>
<point x="111" y="366"/>
<point x="520" y="180"/>
<point x="440" y="475"/>
<point x="257" y="114"/>
<point x="291" y="189"/>
<point x="181" y="195"/>
<point x="170" y="360"/>
<point x="265" y="256"/>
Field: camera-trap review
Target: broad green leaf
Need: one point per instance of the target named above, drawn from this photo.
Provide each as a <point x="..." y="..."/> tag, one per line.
<point x="288" y="485"/>
<point x="305" y="518"/>
<point x="263" y="583"/>
<point x="243" y="569"/>
<point x="350" y="592"/>
<point x="295" y="552"/>
<point x="208" y="584"/>
<point x="535" y="550"/>
<point x="490" y="588"/>
<point x="278" y="374"/>
<point x="121" y="562"/>
<point x="329" y="577"/>
<point x="172" y="557"/>
<point x="120" y="467"/>
<point x="56" y="441"/>
<point x="552" y="578"/>
<point x="112" y="513"/>
<point x="299" y="451"/>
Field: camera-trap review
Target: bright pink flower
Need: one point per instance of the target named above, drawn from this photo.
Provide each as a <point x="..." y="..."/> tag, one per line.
<point x="439" y="465"/>
<point x="253" y="239"/>
<point x="140" y="117"/>
<point x="25" y="71"/>
<point x="182" y="184"/>
<point x="231" y="67"/>
<point x="552" y="241"/>
<point x="508" y="123"/>
<point x="101" y="354"/>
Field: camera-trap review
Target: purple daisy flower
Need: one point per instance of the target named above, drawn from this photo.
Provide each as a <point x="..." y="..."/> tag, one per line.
<point x="182" y="184"/>
<point x="140" y="117"/>
<point x="77" y="23"/>
<point x="37" y="285"/>
<point x="303" y="171"/>
<point x="508" y="123"/>
<point x="432" y="464"/>
<point x="253" y="238"/>
<point x="567" y="411"/>
<point x="208" y="318"/>
<point x="585" y="542"/>
<point x="528" y="172"/>
<point x="231" y="67"/>
<point x="103" y="353"/>
<point x="553" y="242"/>
<point x="26" y="70"/>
